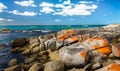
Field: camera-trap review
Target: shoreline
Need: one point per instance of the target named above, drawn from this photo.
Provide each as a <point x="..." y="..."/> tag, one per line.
<point x="44" y="49"/>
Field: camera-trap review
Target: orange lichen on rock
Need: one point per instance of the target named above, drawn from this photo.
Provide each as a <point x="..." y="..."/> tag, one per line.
<point x="103" y="41"/>
<point x="66" y="34"/>
<point x="70" y="31"/>
<point x="116" y="50"/>
<point x="96" y="47"/>
<point x="114" y="67"/>
<point x="85" y="36"/>
<point x="62" y="37"/>
<point x="83" y="54"/>
<point x="74" y="38"/>
<point x="111" y="67"/>
<point x="104" y="50"/>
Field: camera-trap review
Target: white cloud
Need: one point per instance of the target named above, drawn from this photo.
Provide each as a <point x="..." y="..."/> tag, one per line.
<point x="2" y="7"/>
<point x="67" y="2"/>
<point x="78" y="9"/>
<point x="85" y="2"/>
<point x="26" y="3"/>
<point x="45" y="4"/>
<point x="57" y="20"/>
<point x="6" y="20"/>
<point x="83" y="8"/>
<point x="2" y="19"/>
<point x="26" y="13"/>
<point x="47" y="10"/>
<point x="10" y="20"/>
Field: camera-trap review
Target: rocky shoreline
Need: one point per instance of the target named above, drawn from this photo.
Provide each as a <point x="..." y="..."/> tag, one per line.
<point x="94" y="49"/>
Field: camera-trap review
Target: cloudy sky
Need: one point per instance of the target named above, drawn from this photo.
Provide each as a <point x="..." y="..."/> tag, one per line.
<point x="59" y="12"/>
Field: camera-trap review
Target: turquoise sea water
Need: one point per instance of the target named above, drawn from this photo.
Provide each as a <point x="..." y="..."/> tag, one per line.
<point x="48" y="27"/>
<point x="29" y="31"/>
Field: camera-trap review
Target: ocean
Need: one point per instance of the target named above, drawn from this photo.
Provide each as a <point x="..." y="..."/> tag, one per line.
<point x="28" y="31"/>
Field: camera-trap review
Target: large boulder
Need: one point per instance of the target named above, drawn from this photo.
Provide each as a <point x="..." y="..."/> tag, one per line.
<point x="19" y="42"/>
<point x="74" y="56"/>
<point x="54" y="66"/>
<point x="36" y="67"/>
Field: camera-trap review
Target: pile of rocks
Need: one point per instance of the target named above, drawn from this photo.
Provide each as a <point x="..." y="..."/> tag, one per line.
<point x="68" y="50"/>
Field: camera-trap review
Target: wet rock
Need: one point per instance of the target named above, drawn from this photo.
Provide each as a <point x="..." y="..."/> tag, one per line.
<point x="29" y="60"/>
<point x="54" y="66"/>
<point x="19" y="42"/>
<point x="13" y="68"/>
<point x="12" y="62"/>
<point x="36" y="67"/>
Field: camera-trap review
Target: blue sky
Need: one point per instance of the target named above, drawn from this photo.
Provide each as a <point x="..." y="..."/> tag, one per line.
<point x="59" y="12"/>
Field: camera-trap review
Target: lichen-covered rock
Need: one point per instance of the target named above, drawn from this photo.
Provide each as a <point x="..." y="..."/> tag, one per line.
<point x="12" y="62"/>
<point x="54" y="66"/>
<point x="74" y="56"/>
<point x="71" y="40"/>
<point x="36" y="67"/>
